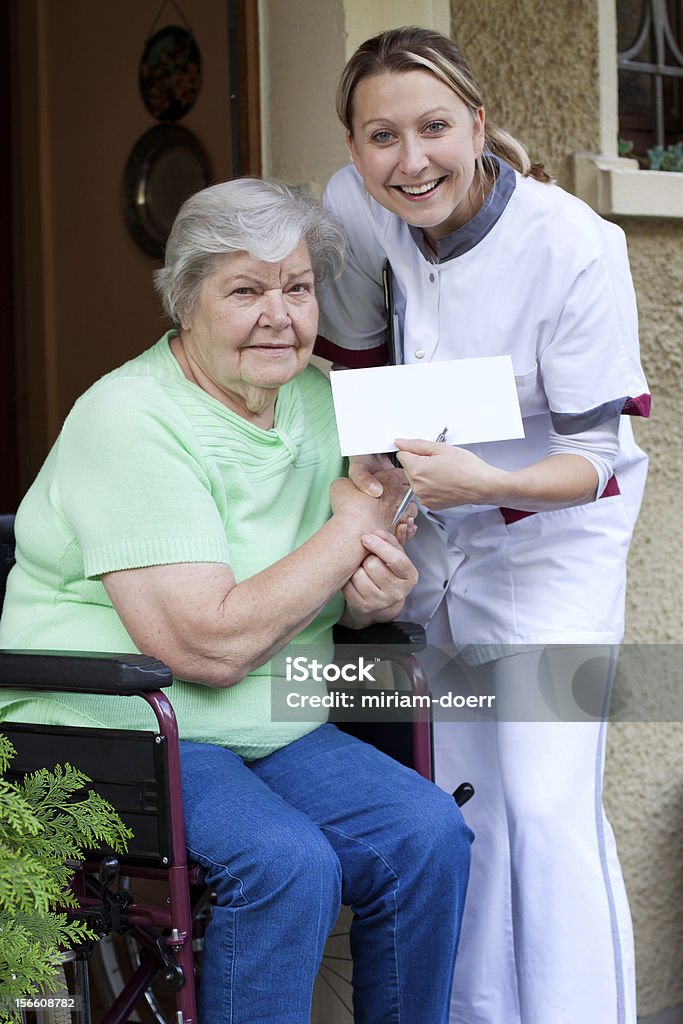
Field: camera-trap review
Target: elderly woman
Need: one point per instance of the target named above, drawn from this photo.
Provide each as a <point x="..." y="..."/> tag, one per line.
<point x="191" y="509"/>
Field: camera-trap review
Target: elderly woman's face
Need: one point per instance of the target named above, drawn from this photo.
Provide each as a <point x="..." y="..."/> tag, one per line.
<point x="254" y="324"/>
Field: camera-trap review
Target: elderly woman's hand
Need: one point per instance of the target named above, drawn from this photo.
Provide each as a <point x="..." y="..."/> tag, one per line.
<point x="376" y="513"/>
<point x="366" y="472"/>
<point x="378" y="588"/>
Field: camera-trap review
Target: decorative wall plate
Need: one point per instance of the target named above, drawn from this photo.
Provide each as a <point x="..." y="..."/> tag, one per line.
<point x="166" y="165"/>
<point x="170" y="74"/>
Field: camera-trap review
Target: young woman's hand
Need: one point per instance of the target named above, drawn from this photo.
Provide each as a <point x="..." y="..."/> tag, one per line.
<point x="443" y="477"/>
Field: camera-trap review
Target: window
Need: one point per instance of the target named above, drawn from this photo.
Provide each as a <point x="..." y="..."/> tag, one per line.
<point x="650" y="61"/>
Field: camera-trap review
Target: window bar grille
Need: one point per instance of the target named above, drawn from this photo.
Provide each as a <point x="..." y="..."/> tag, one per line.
<point x="655" y="21"/>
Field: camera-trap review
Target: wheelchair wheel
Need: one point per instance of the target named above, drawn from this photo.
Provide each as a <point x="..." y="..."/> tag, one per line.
<point x="333" y="992"/>
<point x="115" y="958"/>
<point x="111" y="965"/>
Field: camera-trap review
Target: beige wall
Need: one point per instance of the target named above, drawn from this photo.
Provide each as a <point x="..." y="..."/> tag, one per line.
<point x="545" y="81"/>
<point x="538" y="66"/>
<point x="81" y="61"/>
<point x="300" y="43"/>
<point x="304" y="47"/>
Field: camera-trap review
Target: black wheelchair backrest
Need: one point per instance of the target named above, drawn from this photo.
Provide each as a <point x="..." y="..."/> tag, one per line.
<point x="129" y="769"/>
<point x="6" y="551"/>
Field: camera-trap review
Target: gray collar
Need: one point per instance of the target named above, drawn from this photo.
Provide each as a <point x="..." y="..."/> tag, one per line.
<point x="470" y="234"/>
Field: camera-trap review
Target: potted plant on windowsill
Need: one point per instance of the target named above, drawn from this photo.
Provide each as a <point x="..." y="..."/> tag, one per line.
<point x="669" y="159"/>
<point x="45" y="822"/>
<point x="658" y="158"/>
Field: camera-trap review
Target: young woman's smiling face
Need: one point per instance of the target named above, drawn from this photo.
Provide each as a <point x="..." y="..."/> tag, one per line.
<point x="415" y="144"/>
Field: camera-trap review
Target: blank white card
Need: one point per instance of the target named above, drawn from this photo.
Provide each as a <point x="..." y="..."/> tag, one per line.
<point x="476" y="399"/>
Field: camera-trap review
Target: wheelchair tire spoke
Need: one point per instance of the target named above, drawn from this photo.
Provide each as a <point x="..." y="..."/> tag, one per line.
<point x="334" y="991"/>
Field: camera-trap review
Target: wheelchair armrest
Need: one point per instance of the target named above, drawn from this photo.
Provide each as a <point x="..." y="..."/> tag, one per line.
<point x="122" y="674"/>
<point x="407" y="635"/>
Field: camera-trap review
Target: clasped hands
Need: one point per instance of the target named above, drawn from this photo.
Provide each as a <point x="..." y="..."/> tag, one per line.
<point x="441" y="477"/>
<point x="378" y="588"/>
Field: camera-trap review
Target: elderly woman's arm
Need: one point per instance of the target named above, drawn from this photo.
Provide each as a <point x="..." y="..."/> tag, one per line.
<point x="210" y="629"/>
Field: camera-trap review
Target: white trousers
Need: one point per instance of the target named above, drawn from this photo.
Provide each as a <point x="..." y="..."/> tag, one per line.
<point x="546" y="935"/>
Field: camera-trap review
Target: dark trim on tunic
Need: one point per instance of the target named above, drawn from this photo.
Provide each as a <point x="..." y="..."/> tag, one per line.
<point x="471" y="234"/>
<point x="353" y="359"/>
<point x="577" y="422"/>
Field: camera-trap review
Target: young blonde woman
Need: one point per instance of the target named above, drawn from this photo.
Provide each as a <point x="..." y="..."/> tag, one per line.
<point x="521" y="545"/>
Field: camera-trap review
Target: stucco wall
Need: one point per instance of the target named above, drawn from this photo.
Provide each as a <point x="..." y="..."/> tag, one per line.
<point x="538" y="66"/>
<point x="645" y="767"/>
<point x="655" y="603"/>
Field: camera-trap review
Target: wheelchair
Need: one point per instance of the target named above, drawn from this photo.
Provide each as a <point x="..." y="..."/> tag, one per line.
<point x="138" y="772"/>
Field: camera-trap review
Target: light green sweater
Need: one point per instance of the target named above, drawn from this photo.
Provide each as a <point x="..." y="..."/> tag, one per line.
<point x="150" y="470"/>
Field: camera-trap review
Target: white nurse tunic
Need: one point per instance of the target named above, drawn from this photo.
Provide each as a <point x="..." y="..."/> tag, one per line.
<point x="538" y="276"/>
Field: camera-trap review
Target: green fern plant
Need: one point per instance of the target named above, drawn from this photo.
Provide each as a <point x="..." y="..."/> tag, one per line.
<point x="43" y="825"/>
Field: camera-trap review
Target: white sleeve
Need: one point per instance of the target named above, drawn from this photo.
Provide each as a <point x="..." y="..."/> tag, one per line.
<point x="591" y="365"/>
<point x="599" y="445"/>
<point x="352" y="313"/>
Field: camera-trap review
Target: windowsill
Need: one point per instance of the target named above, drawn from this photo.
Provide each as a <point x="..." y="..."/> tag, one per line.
<point x="617" y="187"/>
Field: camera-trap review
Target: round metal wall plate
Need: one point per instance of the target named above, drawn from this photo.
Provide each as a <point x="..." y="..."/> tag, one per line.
<point x="165" y="167"/>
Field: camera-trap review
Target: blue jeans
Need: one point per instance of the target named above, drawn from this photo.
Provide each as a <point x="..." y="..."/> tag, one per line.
<point x="287" y="839"/>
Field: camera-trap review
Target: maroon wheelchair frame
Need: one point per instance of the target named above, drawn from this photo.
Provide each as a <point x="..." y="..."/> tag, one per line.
<point x="163" y="933"/>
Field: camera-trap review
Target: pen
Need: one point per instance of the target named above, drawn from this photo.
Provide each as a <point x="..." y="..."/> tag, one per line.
<point x="410" y="494"/>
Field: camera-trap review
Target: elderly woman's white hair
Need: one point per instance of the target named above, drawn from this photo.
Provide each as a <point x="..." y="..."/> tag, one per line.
<point x="266" y="219"/>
